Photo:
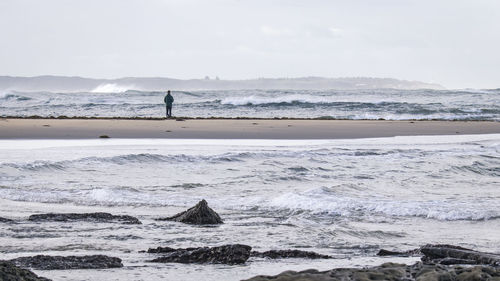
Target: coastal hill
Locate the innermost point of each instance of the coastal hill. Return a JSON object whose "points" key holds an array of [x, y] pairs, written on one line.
{"points": [[80, 84]]}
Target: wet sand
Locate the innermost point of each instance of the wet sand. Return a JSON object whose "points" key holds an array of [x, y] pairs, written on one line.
{"points": [[12, 128]]}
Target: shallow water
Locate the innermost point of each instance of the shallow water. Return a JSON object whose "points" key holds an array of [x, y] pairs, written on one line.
{"points": [[388, 104], [346, 198]]}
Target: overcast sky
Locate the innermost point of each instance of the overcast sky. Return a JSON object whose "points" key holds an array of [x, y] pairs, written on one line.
{"points": [[452, 42]]}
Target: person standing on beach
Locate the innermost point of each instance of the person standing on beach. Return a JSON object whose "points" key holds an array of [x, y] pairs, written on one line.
{"points": [[169, 100]]}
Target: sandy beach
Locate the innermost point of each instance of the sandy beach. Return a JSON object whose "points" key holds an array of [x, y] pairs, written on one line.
{"points": [[234, 128]]}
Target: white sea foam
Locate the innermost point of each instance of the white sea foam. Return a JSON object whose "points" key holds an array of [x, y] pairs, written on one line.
{"points": [[95, 197], [3, 95], [322, 201], [112, 88]]}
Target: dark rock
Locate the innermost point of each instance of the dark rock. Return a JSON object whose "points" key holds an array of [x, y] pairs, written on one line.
{"points": [[94, 217], [409, 253], [43, 262], [391, 271], [5, 220], [450, 253], [11, 272], [162, 250], [199, 214], [227, 254], [279, 254], [446, 246], [451, 261]]}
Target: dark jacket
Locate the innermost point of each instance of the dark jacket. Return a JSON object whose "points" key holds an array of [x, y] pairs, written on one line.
{"points": [[169, 100]]}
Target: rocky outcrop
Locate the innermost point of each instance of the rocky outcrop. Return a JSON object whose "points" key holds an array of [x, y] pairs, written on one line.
{"points": [[5, 220], [43, 262], [409, 253], [199, 214], [93, 217], [280, 254], [227, 254], [449, 254], [11, 272], [391, 271], [272, 254], [163, 250]]}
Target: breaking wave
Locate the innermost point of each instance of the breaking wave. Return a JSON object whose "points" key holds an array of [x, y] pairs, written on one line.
{"points": [[13, 97], [289, 99], [319, 203], [126, 159], [111, 88], [322, 201]]}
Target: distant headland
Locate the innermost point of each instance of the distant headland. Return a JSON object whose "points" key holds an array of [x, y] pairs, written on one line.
{"points": [[80, 84]]}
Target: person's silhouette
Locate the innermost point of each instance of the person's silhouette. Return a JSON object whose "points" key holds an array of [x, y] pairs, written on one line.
{"points": [[169, 100]]}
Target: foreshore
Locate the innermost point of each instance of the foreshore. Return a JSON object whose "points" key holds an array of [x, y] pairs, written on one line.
{"points": [[24, 128]]}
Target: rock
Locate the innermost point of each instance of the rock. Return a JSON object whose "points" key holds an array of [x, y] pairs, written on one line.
{"points": [[94, 217], [451, 261], [10, 272], [162, 250], [391, 271], [43, 262], [279, 254], [449, 254], [5, 220], [409, 253], [199, 214], [388, 271], [227, 254]]}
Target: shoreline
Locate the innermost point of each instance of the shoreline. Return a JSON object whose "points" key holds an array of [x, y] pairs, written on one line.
{"points": [[211, 128], [63, 117]]}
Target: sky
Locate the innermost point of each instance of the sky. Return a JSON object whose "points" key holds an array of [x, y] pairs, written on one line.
{"points": [[455, 43]]}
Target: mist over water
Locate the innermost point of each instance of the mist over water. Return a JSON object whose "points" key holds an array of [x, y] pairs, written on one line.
{"points": [[115, 101]]}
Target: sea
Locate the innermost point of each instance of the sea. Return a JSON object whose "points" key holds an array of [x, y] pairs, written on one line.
{"points": [[389, 104], [347, 198]]}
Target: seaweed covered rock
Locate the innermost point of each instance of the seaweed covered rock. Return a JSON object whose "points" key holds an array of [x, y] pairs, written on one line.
{"points": [[449, 254], [227, 254], [409, 253], [280, 254], [43, 262], [93, 217], [199, 214], [163, 250], [391, 271], [11, 272]]}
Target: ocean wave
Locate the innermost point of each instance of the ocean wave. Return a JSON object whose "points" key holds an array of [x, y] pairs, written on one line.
{"points": [[320, 155], [37, 165], [13, 97], [323, 201], [112, 88], [318, 203], [479, 168], [125, 159], [87, 197], [256, 100], [295, 99]]}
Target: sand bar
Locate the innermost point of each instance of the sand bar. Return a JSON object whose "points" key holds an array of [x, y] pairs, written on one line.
{"points": [[12, 128]]}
